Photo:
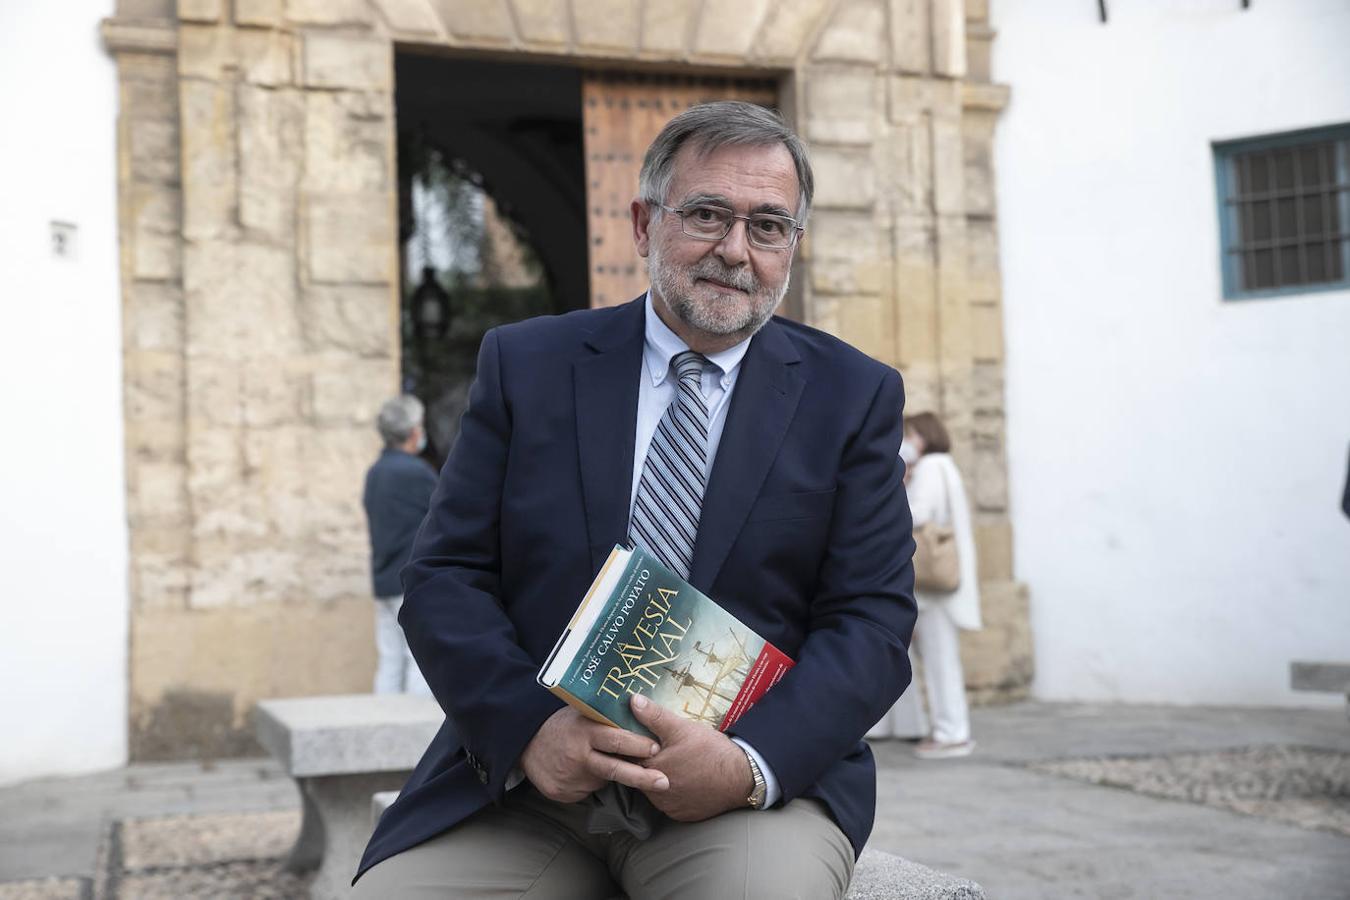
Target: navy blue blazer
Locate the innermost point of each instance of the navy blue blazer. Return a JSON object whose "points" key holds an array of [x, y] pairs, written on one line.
{"points": [[804, 535]]}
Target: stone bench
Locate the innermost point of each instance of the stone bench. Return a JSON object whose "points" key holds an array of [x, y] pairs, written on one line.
{"points": [[878, 876], [340, 750], [884, 876], [1322, 677]]}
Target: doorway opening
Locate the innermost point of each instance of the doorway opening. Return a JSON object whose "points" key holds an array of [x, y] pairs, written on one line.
{"points": [[492, 215], [515, 181]]}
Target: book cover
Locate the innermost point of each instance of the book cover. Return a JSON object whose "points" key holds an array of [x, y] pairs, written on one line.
{"points": [[641, 629]]}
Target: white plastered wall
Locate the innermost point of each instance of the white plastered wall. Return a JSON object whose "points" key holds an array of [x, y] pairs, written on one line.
{"points": [[1176, 460], [63, 533]]}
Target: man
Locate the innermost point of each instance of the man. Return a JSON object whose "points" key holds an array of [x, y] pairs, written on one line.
{"points": [[398, 490], [789, 511]]}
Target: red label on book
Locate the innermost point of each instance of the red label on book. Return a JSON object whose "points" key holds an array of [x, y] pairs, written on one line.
{"points": [[769, 668]]}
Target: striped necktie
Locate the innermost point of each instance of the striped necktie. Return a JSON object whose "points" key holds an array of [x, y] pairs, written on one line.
{"points": [[670, 494], [665, 524]]}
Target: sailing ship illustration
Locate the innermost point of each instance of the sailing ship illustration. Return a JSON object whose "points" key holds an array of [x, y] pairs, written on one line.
{"points": [[716, 681]]}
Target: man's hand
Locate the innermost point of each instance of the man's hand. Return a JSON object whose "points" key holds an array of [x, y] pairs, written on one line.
{"points": [[709, 774], [570, 756]]}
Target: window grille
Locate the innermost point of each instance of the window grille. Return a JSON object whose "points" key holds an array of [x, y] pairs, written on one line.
{"points": [[1285, 213]]}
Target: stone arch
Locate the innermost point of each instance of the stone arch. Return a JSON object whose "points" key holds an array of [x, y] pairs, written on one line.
{"points": [[538, 179]]}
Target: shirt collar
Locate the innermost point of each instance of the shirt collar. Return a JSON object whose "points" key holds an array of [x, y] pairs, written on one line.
{"points": [[660, 345]]}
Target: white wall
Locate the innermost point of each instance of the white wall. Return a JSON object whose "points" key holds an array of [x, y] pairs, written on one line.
{"points": [[63, 534], [1176, 460]]}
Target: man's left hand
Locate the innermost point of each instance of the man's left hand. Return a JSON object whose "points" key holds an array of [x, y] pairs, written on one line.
{"points": [[709, 774]]}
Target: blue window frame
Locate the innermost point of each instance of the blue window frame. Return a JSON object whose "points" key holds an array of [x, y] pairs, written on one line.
{"points": [[1284, 213]]}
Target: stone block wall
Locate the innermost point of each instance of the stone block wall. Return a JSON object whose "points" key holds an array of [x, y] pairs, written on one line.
{"points": [[259, 245], [260, 272], [895, 101]]}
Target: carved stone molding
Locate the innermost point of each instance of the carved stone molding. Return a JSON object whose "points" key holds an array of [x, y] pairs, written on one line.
{"points": [[140, 35]]}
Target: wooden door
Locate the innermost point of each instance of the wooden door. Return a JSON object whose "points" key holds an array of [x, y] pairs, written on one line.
{"points": [[621, 115]]}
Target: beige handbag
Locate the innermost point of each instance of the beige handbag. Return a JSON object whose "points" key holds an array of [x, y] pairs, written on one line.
{"points": [[937, 568], [936, 565]]}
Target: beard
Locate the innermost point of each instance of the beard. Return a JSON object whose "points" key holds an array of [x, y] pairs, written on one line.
{"points": [[725, 313]]}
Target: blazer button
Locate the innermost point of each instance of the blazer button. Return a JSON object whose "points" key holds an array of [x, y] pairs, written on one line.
{"points": [[483, 774]]}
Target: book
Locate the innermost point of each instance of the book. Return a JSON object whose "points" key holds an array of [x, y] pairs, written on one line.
{"points": [[641, 629]]}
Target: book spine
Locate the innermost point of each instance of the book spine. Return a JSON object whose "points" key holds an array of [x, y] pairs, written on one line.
{"points": [[581, 706], [769, 668]]}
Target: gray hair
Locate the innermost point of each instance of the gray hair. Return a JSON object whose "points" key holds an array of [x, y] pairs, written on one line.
{"points": [[398, 418], [708, 126]]}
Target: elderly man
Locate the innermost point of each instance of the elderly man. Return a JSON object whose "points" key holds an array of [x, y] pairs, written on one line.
{"points": [[398, 490], [754, 456]]}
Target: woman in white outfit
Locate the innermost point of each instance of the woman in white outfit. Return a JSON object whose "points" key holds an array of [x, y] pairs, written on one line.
{"points": [[937, 494]]}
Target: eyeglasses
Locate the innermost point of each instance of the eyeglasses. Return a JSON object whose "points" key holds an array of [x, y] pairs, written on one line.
{"points": [[712, 223]]}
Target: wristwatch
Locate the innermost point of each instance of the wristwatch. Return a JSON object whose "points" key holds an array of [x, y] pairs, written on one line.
{"points": [[760, 792]]}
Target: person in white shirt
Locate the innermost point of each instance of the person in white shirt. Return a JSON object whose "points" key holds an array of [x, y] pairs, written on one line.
{"points": [[937, 495]]}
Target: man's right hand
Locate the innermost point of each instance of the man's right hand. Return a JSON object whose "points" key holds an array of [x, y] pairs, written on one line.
{"points": [[570, 756]]}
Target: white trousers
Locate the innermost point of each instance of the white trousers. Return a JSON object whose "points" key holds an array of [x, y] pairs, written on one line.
{"points": [[937, 644], [396, 671]]}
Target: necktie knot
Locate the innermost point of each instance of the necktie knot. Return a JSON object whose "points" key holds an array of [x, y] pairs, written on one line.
{"points": [[689, 367]]}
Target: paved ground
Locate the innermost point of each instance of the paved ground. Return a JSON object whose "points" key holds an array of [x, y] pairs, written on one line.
{"points": [[1021, 833]]}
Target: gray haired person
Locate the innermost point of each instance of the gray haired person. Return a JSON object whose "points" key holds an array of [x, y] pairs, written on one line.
{"points": [[397, 494], [753, 455]]}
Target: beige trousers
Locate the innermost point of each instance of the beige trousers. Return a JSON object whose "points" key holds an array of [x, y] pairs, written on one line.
{"points": [[531, 847]]}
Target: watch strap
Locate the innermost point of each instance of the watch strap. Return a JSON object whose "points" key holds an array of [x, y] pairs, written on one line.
{"points": [[760, 790]]}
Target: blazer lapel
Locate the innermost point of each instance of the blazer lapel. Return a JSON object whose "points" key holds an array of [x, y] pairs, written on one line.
{"points": [[765, 400], [606, 385]]}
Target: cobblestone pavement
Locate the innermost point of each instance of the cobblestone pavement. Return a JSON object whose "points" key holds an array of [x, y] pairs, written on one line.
{"points": [[62, 837], [1304, 786], [1024, 833], [1038, 811]]}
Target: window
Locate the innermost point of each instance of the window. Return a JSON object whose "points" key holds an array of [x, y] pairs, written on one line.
{"points": [[1284, 213]]}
